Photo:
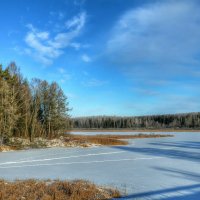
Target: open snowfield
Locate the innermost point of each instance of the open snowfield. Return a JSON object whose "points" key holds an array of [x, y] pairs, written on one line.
{"points": [[154, 168]]}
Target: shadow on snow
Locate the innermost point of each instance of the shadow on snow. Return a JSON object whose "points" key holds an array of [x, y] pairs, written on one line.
{"points": [[168, 153], [184, 144], [191, 192], [188, 192]]}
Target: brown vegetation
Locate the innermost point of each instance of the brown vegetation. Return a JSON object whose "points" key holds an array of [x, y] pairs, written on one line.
{"points": [[132, 130], [54, 190], [109, 139], [85, 140], [5, 148]]}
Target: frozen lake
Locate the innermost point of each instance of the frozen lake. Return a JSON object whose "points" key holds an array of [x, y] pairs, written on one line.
{"points": [[154, 168]]}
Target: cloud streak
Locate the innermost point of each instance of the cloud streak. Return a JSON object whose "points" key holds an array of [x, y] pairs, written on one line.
{"points": [[94, 83], [45, 48], [157, 46], [164, 34], [172, 104], [86, 58]]}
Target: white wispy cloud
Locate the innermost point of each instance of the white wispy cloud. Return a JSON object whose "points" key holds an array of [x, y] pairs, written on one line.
{"points": [[157, 46], [45, 48], [79, 2], [146, 92], [63, 75], [172, 104], [76, 45], [72, 95], [86, 58], [61, 70], [162, 32], [77, 22], [94, 83], [59, 15]]}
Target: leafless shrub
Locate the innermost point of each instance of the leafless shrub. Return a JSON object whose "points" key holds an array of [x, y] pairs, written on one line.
{"points": [[54, 190]]}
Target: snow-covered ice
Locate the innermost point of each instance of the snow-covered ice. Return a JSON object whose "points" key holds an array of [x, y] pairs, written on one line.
{"points": [[153, 168]]}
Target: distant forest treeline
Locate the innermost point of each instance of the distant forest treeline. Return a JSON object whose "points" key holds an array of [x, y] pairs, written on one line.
{"points": [[29, 110], [187, 121]]}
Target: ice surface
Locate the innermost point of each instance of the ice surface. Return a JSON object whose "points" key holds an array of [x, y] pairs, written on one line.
{"points": [[153, 168]]}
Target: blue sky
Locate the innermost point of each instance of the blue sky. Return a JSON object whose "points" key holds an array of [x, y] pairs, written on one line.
{"points": [[111, 57]]}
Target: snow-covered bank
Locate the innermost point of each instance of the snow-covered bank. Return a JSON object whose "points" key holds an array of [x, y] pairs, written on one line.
{"points": [[74, 140]]}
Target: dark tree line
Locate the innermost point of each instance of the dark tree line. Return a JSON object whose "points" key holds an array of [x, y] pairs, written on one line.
{"points": [[189, 120], [29, 110]]}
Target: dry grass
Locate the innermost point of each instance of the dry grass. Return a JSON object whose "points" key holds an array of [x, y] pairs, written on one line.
{"points": [[108, 139], [136, 136], [133, 130], [5, 148], [83, 140], [54, 190]]}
